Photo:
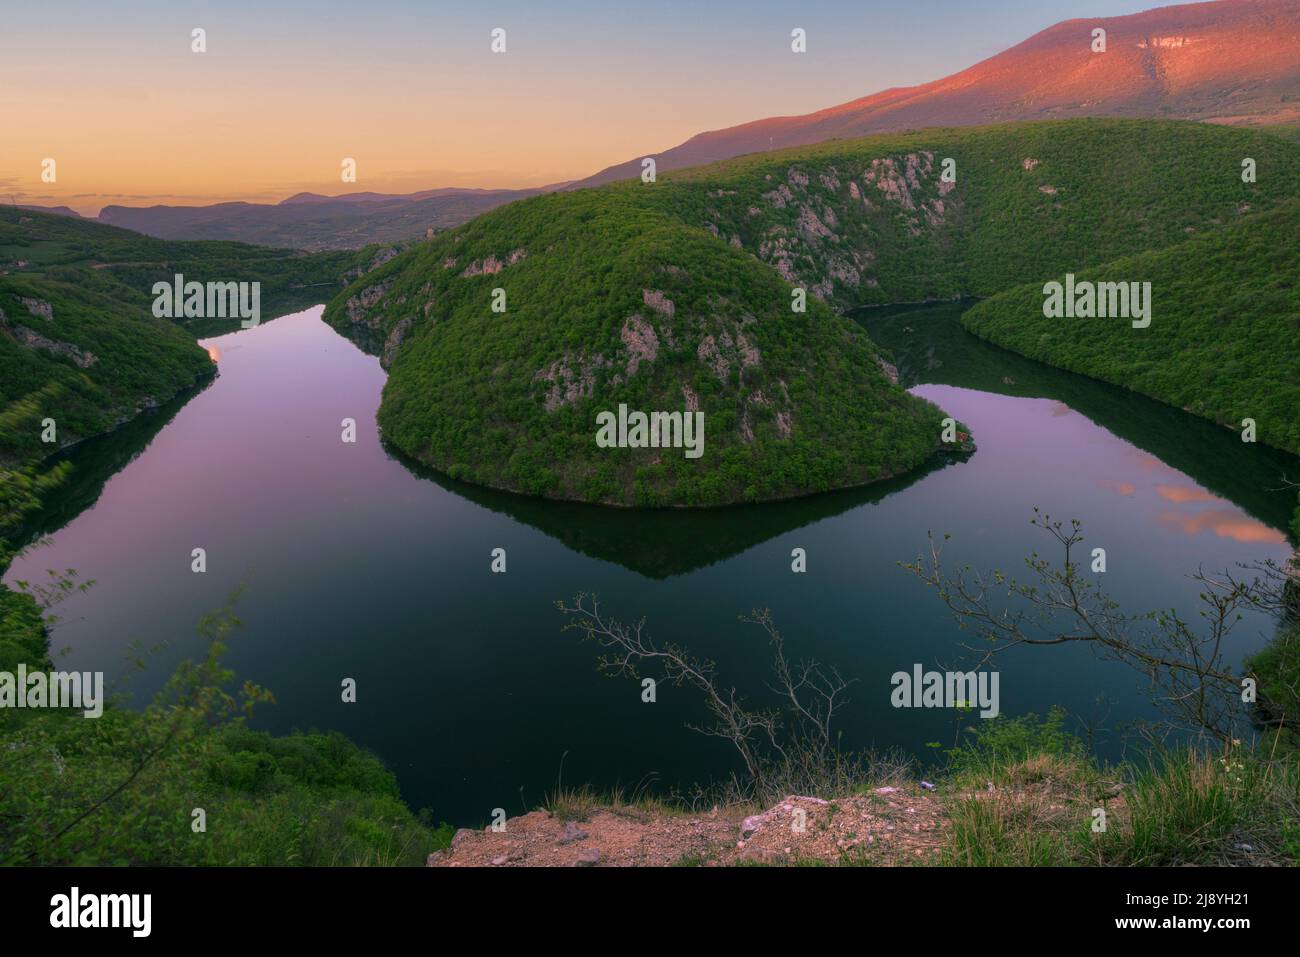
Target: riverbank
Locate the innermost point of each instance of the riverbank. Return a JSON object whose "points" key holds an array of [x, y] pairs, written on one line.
{"points": [[1045, 806]]}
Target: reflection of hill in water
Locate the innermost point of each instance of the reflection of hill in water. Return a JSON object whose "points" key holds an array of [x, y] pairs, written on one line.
{"points": [[660, 543], [95, 461], [938, 351]]}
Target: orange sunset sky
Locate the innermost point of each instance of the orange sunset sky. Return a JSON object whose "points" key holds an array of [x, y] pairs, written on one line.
{"points": [[113, 93]]}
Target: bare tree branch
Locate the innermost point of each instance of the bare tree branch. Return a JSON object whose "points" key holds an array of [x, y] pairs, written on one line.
{"points": [[1059, 605]]}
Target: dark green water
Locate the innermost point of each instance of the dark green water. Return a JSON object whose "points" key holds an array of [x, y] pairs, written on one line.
{"points": [[362, 567]]}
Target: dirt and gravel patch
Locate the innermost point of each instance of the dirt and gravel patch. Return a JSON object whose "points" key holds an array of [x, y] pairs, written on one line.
{"points": [[884, 826]]}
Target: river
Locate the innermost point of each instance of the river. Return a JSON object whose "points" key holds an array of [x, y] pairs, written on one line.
{"points": [[361, 566]]}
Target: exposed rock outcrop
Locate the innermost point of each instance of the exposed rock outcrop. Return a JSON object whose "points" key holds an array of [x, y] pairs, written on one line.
{"points": [[641, 342], [34, 340], [39, 308], [572, 377], [490, 265], [394, 341], [359, 305]]}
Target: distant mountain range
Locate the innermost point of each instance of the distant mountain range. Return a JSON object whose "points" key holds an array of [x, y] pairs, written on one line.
{"points": [[56, 210], [1230, 61], [315, 222]]}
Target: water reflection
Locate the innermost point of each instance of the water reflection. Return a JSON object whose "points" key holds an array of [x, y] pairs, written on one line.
{"points": [[930, 346], [662, 543], [1225, 523]]}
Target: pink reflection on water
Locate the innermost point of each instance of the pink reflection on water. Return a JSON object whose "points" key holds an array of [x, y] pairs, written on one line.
{"points": [[1149, 463], [1225, 523], [1120, 488], [1187, 493], [1088, 466]]}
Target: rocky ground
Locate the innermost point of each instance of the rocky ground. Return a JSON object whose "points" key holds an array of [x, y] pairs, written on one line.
{"points": [[884, 826]]}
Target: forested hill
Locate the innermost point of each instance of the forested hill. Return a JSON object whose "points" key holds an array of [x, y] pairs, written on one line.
{"points": [[677, 293], [1224, 338]]}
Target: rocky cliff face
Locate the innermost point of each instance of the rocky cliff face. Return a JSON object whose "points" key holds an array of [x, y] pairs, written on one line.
{"points": [[32, 339], [819, 224]]}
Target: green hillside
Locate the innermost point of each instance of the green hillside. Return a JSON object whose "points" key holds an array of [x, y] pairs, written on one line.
{"points": [[97, 362], [1224, 339], [78, 340], [676, 291], [611, 302], [1030, 200]]}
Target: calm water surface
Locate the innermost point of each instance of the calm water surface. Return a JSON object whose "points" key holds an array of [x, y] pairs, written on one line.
{"points": [[360, 566]]}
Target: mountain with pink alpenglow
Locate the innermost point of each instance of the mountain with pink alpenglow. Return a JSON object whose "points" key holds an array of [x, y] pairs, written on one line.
{"points": [[1231, 61]]}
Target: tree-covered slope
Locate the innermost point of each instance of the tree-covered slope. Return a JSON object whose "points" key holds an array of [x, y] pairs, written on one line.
{"points": [[1224, 338], [79, 343], [613, 301], [314, 800], [679, 291], [84, 359], [871, 221]]}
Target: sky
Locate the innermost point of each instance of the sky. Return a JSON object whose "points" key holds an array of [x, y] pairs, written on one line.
{"points": [[114, 94]]}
